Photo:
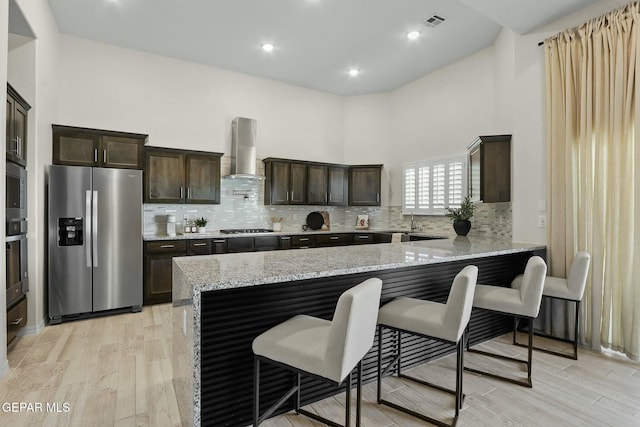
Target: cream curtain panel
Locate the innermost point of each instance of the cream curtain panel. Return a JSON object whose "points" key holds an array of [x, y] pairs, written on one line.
{"points": [[593, 155]]}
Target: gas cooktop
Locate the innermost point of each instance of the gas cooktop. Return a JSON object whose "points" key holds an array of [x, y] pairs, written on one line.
{"points": [[245, 230]]}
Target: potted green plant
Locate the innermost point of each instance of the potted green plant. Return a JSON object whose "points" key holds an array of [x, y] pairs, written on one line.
{"points": [[461, 216], [201, 223]]}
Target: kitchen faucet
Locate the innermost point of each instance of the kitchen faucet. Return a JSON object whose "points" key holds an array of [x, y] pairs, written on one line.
{"points": [[413, 224]]}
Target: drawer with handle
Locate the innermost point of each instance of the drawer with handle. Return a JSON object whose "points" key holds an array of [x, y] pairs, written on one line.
{"points": [[360, 238], [16, 319], [200, 247], [333, 239], [166, 246], [298, 242]]}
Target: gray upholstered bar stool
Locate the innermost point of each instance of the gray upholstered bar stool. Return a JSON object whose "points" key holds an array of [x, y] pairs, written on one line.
{"points": [[523, 302], [328, 350], [569, 289], [443, 322]]}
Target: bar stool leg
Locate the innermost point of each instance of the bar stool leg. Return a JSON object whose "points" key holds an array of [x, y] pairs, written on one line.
{"points": [[348, 401], [256, 390], [575, 336], [399, 353], [359, 395], [379, 385]]}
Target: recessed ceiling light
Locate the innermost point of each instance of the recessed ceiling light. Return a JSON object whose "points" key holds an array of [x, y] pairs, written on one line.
{"points": [[354, 72], [267, 47], [412, 35]]}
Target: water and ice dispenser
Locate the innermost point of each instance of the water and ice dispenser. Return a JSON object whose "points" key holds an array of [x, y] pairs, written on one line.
{"points": [[70, 231]]}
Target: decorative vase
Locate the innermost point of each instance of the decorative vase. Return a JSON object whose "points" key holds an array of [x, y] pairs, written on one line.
{"points": [[277, 226], [202, 230], [462, 227]]}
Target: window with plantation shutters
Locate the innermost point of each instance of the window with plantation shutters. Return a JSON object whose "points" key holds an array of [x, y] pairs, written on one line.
{"points": [[430, 186]]}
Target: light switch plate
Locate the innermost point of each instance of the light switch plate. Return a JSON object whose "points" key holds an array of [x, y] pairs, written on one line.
{"points": [[542, 221], [542, 205]]}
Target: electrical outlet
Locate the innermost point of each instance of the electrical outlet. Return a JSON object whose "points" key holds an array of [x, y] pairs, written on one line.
{"points": [[542, 221]]}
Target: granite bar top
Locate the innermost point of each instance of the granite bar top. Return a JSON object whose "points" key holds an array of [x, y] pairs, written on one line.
{"points": [[228, 271]]}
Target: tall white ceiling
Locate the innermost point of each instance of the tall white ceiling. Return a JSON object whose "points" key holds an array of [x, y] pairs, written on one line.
{"points": [[316, 41]]}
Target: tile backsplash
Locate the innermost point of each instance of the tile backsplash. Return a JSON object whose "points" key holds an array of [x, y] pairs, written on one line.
{"points": [[242, 206]]}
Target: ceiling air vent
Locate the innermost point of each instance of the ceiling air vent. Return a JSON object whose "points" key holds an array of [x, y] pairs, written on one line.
{"points": [[433, 21]]}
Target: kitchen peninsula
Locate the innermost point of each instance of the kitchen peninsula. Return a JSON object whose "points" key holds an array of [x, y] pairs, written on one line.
{"points": [[222, 302]]}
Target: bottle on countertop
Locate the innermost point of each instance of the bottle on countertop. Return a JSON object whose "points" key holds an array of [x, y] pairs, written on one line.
{"points": [[186, 225]]}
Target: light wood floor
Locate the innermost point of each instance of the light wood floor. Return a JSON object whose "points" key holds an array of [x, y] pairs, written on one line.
{"points": [[116, 371]]}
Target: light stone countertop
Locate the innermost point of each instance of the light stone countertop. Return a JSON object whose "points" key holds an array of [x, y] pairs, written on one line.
{"points": [[228, 271], [216, 234]]}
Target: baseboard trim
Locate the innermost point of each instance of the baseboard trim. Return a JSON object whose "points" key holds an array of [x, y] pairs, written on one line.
{"points": [[32, 330], [5, 368]]}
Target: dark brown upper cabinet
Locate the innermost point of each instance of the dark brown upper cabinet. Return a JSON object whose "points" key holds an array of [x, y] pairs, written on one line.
{"points": [[16, 128], [286, 182], [490, 169], [365, 183], [338, 185], [327, 185], [181, 176], [74, 146], [317, 193]]}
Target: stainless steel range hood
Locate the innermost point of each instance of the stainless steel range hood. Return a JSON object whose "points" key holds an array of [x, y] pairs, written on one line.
{"points": [[243, 149]]}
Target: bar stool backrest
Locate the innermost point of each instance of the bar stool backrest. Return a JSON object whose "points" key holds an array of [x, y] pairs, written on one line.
{"points": [[353, 327], [577, 279], [460, 302], [532, 286]]}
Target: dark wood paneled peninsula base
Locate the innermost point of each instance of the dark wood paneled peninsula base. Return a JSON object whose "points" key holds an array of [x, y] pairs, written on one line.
{"points": [[213, 377]]}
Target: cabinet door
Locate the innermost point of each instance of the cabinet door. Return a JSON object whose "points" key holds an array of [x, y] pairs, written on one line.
{"points": [[20, 133], [337, 186], [298, 184], [279, 183], [121, 152], [203, 179], [75, 148], [164, 177], [317, 186], [364, 185], [157, 278], [11, 143]]}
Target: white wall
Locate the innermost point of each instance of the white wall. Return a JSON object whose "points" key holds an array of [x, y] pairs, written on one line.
{"points": [[32, 72], [4, 23], [367, 135], [439, 115], [186, 105]]}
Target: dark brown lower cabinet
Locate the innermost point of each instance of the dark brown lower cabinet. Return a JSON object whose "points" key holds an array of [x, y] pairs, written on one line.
{"points": [[158, 267], [16, 319]]}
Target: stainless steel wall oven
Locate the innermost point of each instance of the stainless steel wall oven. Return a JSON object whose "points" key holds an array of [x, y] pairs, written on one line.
{"points": [[16, 200]]}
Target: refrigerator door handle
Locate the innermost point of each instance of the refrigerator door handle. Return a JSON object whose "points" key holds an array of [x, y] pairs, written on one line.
{"points": [[94, 229], [88, 230]]}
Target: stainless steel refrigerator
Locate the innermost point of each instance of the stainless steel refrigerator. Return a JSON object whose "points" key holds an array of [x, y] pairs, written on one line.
{"points": [[95, 240]]}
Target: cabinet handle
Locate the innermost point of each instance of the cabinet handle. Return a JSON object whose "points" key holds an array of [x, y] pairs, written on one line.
{"points": [[199, 244], [219, 241], [363, 237], [167, 246], [326, 197], [188, 192], [304, 239], [378, 197], [335, 237], [329, 197], [287, 195], [181, 191], [17, 321], [95, 155], [285, 238], [104, 156]]}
